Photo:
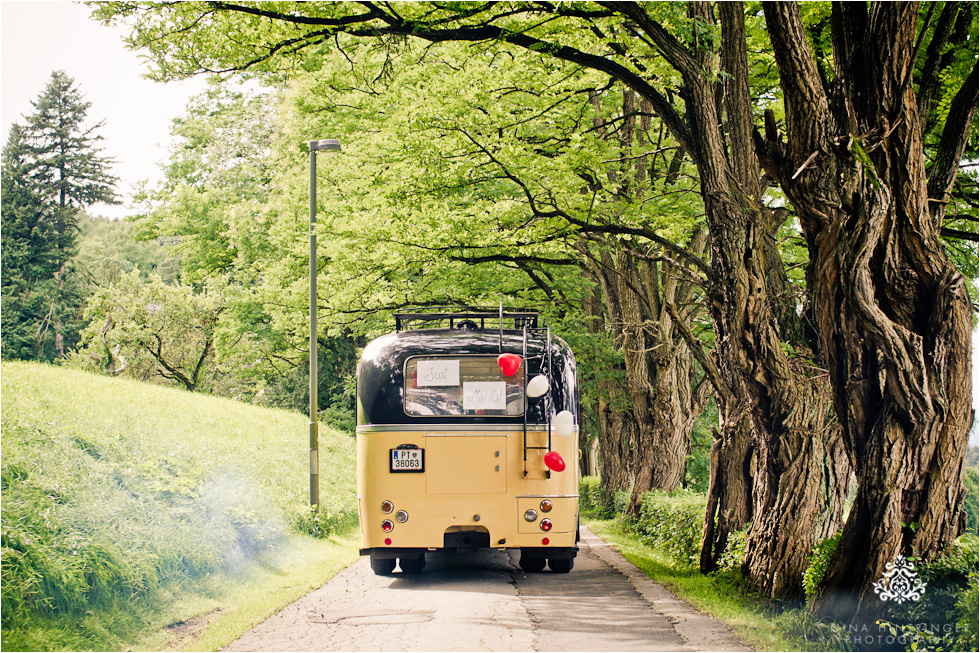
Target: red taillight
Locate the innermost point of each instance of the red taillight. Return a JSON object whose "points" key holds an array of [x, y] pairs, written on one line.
{"points": [[546, 524], [387, 526]]}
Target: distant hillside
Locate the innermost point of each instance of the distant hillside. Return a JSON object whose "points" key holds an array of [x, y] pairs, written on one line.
{"points": [[113, 488]]}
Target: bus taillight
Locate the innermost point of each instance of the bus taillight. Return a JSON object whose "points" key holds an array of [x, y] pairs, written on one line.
{"points": [[387, 526], [546, 524]]}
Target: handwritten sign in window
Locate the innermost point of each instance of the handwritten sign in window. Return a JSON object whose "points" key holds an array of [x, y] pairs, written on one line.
{"points": [[484, 395], [438, 373]]}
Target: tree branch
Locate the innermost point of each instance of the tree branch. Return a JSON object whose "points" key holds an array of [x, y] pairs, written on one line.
{"points": [[956, 134]]}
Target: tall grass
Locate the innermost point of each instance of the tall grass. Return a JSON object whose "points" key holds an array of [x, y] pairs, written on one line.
{"points": [[113, 489]]}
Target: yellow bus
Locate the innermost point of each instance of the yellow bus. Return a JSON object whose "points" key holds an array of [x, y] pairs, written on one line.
{"points": [[467, 438]]}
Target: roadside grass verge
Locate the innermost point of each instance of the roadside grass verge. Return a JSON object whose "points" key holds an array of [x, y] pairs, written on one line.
{"points": [[128, 508], [664, 540], [274, 580], [751, 619]]}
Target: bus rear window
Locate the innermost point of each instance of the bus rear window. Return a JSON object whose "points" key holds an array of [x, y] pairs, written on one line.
{"points": [[464, 385]]}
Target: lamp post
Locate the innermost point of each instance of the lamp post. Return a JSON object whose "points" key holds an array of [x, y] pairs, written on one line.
{"points": [[315, 146]]}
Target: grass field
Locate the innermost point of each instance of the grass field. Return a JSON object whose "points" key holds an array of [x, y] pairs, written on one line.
{"points": [[128, 508]]}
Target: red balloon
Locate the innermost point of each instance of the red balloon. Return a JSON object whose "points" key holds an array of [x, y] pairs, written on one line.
{"points": [[554, 461], [509, 363]]}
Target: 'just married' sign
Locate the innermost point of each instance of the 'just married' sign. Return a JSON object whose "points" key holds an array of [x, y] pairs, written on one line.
{"points": [[438, 373]]}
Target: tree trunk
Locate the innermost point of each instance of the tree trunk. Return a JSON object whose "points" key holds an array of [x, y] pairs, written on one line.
{"points": [[662, 445], [802, 480], [614, 421], [789, 423], [893, 314], [729, 505], [617, 437]]}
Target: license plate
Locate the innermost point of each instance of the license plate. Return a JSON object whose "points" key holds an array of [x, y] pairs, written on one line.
{"points": [[407, 460]]}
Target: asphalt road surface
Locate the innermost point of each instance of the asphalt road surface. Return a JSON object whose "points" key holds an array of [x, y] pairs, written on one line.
{"points": [[483, 602]]}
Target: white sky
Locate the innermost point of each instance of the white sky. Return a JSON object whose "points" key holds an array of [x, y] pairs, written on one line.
{"points": [[38, 37]]}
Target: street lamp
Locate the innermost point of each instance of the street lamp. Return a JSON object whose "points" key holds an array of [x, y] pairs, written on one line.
{"points": [[315, 146]]}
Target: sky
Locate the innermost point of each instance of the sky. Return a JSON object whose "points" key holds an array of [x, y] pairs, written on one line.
{"points": [[37, 38]]}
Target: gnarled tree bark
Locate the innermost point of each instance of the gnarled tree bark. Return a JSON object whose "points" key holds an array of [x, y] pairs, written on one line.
{"points": [[893, 314]]}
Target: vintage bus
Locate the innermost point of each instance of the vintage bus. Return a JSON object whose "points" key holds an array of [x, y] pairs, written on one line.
{"points": [[467, 438]]}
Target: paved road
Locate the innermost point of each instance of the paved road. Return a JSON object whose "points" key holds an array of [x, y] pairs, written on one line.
{"points": [[483, 602]]}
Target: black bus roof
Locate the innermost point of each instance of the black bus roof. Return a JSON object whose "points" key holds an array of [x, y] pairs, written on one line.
{"points": [[381, 370]]}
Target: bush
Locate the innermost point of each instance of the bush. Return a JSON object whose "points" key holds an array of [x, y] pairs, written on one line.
{"points": [[968, 610], [672, 522], [971, 504], [590, 496], [817, 569], [731, 558], [621, 499], [946, 617]]}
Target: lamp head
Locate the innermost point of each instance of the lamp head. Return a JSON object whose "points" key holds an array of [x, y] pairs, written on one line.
{"points": [[325, 144]]}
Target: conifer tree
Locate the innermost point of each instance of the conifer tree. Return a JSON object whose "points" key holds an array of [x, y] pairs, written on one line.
{"points": [[52, 168]]}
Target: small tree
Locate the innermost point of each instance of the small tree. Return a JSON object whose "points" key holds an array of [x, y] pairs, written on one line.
{"points": [[146, 329]]}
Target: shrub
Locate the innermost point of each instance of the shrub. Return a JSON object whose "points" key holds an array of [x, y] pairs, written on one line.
{"points": [[817, 569], [621, 499], [946, 617], [672, 522], [590, 496], [971, 503], [731, 558], [968, 610]]}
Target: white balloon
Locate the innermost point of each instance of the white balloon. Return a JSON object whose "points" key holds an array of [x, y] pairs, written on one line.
{"points": [[564, 423], [537, 386]]}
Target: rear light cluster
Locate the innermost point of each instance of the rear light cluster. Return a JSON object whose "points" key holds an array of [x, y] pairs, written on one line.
{"points": [[387, 507], [531, 515]]}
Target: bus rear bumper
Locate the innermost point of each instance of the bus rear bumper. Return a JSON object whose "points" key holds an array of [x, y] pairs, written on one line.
{"points": [[550, 553], [388, 552]]}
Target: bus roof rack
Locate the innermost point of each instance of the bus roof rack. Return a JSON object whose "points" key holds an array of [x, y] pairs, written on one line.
{"points": [[454, 317]]}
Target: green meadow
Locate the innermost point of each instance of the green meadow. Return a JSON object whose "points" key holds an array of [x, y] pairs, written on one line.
{"points": [[136, 516]]}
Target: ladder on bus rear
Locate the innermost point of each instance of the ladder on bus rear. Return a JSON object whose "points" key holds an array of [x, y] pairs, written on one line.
{"points": [[546, 397]]}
